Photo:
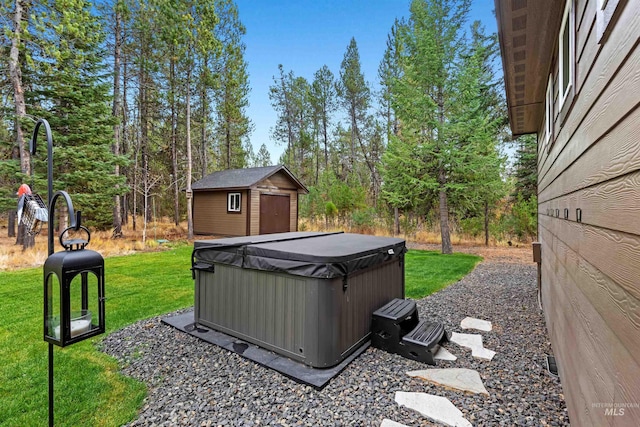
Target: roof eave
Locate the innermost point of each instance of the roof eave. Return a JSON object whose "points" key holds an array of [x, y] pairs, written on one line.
{"points": [[527, 31]]}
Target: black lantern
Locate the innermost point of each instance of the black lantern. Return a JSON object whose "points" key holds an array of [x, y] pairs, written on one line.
{"points": [[73, 288]]}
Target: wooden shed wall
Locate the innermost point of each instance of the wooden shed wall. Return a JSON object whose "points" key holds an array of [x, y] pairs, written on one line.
{"points": [[591, 269], [254, 226], [255, 208], [278, 180], [210, 214]]}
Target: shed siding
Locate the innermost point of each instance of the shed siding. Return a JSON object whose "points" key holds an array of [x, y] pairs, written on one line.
{"points": [[210, 214], [210, 207], [590, 269], [278, 183], [293, 210], [278, 180], [255, 210]]}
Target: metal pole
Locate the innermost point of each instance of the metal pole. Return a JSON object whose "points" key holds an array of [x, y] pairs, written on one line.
{"points": [[32, 148], [50, 385], [50, 248], [75, 223]]}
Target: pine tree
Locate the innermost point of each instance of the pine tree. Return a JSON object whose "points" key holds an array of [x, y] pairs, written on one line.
{"points": [[168, 45], [119, 9], [423, 97], [389, 71], [73, 95], [280, 95], [291, 97], [148, 20], [9, 169], [355, 96], [478, 121], [15, 73], [16, 56], [526, 167], [407, 183], [232, 90], [324, 102], [263, 158], [302, 112], [190, 28]]}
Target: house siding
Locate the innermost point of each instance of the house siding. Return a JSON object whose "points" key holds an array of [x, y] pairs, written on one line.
{"points": [[211, 216], [591, 269]]}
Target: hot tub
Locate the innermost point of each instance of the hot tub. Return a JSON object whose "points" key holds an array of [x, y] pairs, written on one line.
{"points": [[307, 296]]}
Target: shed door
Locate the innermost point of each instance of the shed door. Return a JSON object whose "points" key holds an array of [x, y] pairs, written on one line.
{"points": [[274, 213]]}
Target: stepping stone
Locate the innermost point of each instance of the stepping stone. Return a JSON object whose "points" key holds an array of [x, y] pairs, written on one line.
{"points": [[471, 323], [474, 342], [483, 353], [389, 423], [436, 408], [467, 340], [456, 378], [444, 354]]}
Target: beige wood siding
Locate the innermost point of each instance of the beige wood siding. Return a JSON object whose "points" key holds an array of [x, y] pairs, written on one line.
{"points": [[255, 213], [293, 210], [210, 214], [591, 269], [278, 180]]}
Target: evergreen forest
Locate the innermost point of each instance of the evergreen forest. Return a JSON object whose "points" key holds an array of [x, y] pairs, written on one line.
{"points": [[146, 97]]}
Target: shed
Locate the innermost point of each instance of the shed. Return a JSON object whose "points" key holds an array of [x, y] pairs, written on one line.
{"points": [[247, 202], [572, 72]]}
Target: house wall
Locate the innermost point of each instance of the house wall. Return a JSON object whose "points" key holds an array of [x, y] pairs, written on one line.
{"points": [[210, 214], [591, 269]]}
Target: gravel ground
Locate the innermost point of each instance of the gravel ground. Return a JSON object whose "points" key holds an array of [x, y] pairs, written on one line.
{"points": [[198, 384]]}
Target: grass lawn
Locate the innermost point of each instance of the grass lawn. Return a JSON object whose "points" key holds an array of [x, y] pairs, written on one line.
{"points": [[427, 272], [89, 391]]}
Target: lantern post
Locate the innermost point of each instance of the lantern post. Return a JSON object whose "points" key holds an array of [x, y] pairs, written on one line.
{"points": [[64, 322]]}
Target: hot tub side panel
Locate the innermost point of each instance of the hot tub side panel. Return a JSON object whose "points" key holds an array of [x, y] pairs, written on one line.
{"points": [[353, 306], [259, 307], [316, 321]]}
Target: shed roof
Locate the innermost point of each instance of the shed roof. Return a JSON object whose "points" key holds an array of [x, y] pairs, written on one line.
{"points": [[238, 179]]}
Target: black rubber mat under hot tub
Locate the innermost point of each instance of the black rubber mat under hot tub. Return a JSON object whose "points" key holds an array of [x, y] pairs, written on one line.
{"points": [[297, 371]]}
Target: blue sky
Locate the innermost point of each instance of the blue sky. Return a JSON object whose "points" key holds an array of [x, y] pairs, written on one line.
{"points": [[304, 35]]}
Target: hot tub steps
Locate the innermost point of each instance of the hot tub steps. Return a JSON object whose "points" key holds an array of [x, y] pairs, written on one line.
{"points": [[396, 328]]}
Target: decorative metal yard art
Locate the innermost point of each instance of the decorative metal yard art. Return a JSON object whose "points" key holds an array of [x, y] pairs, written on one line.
{"points": [[73, 278], [32, 211]]}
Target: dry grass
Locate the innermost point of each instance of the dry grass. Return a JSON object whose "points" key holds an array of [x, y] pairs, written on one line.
{"points": [[497, 251], [12, 257], [419, 236]]}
